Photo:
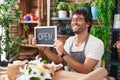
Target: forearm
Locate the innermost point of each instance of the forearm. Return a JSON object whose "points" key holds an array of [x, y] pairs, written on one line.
{"points": [[77, 66], [52, 56]]}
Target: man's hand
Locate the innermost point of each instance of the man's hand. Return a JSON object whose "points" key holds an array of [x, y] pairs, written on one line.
{"points": [[40, 47], [58, 45]]}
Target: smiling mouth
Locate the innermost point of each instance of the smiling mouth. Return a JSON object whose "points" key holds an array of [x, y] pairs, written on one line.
{"points": [[75, 26]]}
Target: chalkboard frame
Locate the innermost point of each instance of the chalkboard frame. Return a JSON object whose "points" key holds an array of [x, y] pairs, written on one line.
{"points": [[45, 27]]}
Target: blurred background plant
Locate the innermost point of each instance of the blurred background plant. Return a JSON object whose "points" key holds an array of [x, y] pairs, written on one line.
{"points": [[9, 15], [102, 30], [65, 30]]}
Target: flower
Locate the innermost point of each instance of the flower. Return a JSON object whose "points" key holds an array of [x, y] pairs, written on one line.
{"points": [[34, 70]]}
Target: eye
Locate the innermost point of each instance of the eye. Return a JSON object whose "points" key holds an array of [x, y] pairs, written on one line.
{"points": [[77, 19]]}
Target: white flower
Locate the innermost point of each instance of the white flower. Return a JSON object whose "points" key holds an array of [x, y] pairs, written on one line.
{"points": [[24, 74], [34, 69]]}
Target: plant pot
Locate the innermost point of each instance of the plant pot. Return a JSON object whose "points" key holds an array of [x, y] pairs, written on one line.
{"points": [[94, 11], [62, 14], [88, 9], [3, 63], [54, 14]]}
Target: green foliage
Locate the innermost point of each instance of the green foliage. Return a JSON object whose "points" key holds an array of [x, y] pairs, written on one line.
{"points": [[62, 6], [45, 61], [54, 9], [13, 46], [34, 78], [94, 3], [83, 3], [25, 26], [104, 19], [9, 14], [72, 6], [65, 30]]}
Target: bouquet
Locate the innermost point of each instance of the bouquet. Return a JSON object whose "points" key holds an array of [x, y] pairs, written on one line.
{"points": [[35, 70]]}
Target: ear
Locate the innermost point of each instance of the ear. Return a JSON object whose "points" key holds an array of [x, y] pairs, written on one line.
{"points": [[88, 24]]}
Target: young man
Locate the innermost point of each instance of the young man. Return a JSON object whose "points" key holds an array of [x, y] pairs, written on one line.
{"points": [[82, 52]]}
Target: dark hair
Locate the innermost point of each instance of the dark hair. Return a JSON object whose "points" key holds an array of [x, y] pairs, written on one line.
{"points": [[87, 16]]}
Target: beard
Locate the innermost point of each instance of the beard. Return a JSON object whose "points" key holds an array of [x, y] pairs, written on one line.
{"points": [[78, 28]]}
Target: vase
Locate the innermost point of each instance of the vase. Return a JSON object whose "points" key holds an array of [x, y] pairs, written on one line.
{"points": [[62, 14], [3, 63], [94, 11]]}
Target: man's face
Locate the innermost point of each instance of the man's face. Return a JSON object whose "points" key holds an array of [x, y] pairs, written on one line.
{"points": [[78, 24]]}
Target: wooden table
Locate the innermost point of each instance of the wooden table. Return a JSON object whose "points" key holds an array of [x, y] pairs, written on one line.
{"points": [[66, 75], [98, 74]]}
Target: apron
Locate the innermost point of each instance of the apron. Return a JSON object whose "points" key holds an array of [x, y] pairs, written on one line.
{"points": [[78, 55]]}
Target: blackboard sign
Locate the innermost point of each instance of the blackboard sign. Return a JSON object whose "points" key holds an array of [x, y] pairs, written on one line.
{"points": [[45, 35]]}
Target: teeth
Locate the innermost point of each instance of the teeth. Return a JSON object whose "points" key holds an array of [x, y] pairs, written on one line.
{"points": [[74, 26]]}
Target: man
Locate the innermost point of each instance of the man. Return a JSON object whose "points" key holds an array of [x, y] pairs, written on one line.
{"points": [[82, 52]]}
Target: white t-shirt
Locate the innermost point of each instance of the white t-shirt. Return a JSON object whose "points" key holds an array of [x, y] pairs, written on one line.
{"points": [[94, 48]]}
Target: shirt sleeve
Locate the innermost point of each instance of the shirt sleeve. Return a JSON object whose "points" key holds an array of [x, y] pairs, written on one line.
{"points": [[96, 50]]}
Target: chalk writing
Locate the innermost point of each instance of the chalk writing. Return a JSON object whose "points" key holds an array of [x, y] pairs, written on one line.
{"points": [[45, 36]]}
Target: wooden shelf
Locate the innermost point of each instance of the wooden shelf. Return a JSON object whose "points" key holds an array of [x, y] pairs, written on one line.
{"points": [[28, 45], [59, 19], [69, 19], [29, 22]]}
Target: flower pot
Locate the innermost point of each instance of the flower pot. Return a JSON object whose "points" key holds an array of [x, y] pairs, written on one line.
{"points": [[3, 63], [94, 11], [88, 9], [54, 14], [62, 14]]}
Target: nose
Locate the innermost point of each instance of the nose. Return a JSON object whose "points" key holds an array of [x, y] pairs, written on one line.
{"points": [[74, 21]]}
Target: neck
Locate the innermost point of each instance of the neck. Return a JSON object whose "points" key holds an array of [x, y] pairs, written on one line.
{"points": [[80, 38]]}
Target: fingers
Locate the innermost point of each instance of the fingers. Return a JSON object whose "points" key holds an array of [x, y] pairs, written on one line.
{"points": [[117, 44], [57, 43]]}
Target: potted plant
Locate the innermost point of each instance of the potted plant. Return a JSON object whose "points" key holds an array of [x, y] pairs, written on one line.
{"points": [[71, 8], [62, 8], [54, 11], [7, 18], [94, 8]]}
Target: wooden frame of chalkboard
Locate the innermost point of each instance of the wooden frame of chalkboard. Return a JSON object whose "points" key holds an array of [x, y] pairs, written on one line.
{"points": [[45, 35]]}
